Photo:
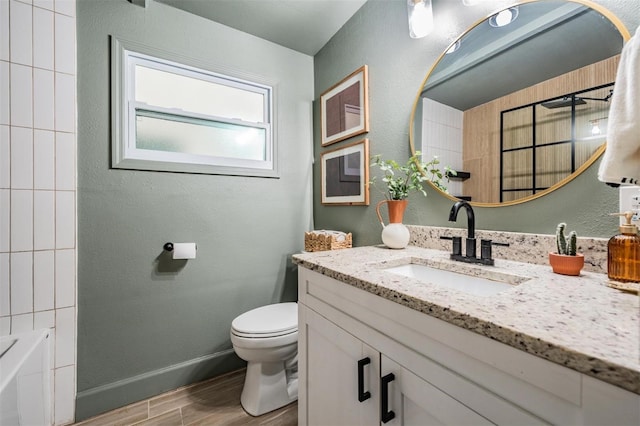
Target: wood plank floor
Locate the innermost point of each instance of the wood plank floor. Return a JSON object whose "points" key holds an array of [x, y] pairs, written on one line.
{"points": [[213, 402]]}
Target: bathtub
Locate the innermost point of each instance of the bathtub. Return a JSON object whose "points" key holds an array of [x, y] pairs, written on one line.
{"points": [[24, 379]]}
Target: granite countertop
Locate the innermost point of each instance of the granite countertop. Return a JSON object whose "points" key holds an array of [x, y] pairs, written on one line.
{"points": [[578, 322]]}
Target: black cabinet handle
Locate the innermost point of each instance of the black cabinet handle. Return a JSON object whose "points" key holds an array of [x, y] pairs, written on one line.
{"points": [[385, 413], [362, 395]]}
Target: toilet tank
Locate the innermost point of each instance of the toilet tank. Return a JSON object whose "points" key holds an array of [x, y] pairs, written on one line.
{"points": [[24, 379]]}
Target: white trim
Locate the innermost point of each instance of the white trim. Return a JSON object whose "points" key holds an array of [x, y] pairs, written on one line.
{"points": [[125, 155]]}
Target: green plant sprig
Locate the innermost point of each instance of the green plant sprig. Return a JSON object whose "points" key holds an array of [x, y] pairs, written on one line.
{"points": [[400, 179]]}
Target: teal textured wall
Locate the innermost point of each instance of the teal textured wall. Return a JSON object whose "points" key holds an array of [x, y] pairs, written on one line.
{"points": [[378, 36], [147, 324]]}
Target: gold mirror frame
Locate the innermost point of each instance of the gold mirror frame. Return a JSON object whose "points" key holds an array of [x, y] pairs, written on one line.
{"points": [[624, 32]]}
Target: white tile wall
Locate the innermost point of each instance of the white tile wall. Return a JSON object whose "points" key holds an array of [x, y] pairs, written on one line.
{"points": [[43, 159], [21, 220], [21, 158], [65, 161], [47, 319], [5, 292], [65, 103], [44, 319], [5, 171], [65, 384], [21, 278], [43, 106], [38, 182], [21, 97], [45, 4], [4, 30], [442, 136], [43, 281], [65, 337], [5, 106], [65, 219], [66, 7], [65, 278], [20, 32], [5, 228], [43, 38], [65, 34], [5, 326], [21, 323], [44, 232]]}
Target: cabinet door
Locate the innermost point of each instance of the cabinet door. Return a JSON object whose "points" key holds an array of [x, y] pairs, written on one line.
{"points": [[414, 401], [334, 360], [605, 404]]}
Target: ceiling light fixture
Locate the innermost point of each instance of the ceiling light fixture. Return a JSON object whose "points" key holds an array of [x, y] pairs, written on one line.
{"points": [[595, 126], [420, 17], [504, 17]]}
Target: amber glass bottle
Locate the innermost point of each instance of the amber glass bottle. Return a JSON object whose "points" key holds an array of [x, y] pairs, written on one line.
{"points": [[623, 262]]}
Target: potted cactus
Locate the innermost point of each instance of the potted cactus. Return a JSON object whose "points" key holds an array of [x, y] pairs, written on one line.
{"points": [[565, 260]]}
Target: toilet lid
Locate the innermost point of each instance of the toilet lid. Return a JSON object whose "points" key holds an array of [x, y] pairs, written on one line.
{"points": [[278, 318]]}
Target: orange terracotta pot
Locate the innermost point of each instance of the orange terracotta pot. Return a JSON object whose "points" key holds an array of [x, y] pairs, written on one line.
{"points": [[566, 265], [395, 209]]}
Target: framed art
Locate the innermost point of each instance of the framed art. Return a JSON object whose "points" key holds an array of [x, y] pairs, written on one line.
{"points": [[344, 108], [345, 175]]}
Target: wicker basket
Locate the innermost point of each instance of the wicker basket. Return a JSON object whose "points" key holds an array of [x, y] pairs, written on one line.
{"points": [[321, 242]]}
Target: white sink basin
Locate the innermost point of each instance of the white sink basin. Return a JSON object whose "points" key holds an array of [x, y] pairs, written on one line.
{"points": [[466, 278]]}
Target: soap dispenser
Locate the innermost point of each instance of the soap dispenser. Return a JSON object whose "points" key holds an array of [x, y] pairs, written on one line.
{"points": [[623, 260]]}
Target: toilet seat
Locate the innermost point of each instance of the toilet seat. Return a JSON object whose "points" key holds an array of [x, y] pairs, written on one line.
{"points": [[269, 321], [263, 335], [244, 342]]}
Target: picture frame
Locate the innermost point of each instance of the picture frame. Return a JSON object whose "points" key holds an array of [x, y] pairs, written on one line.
{"points": [[344, 108], [345, 175]]}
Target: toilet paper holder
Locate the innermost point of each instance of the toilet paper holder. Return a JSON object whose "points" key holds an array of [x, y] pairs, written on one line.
{"points": [[181, 251]]}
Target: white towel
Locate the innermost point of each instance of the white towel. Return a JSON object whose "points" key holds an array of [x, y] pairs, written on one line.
{"points": [[621, 161]]}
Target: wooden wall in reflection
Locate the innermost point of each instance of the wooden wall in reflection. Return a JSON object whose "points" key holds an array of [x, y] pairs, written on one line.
{"points": [[481, 130]]}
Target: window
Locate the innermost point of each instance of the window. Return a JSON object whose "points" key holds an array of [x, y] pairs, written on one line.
{"points": [[546, 142], [170, 116]]}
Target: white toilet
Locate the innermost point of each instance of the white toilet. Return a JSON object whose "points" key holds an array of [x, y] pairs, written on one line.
{"points": [[267, 338]]}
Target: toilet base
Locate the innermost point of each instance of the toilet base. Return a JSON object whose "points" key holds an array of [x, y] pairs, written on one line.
{"points": [[266, 388]]}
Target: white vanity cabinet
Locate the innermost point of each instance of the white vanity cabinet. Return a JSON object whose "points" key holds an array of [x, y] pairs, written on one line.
{"points": [[334, 363], [350, 383], [412, 400], [427, 371]]}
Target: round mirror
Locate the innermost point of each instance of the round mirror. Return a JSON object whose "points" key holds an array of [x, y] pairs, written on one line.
{"points": [[518, 104]]}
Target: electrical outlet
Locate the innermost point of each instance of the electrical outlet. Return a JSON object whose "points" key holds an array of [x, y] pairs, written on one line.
{"points": [[630, 201]]}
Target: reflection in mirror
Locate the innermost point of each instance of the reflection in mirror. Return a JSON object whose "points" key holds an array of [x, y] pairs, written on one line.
{"points": [[519, 109]]}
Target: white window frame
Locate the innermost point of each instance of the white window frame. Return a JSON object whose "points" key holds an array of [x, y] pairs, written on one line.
{"points": [[125, 155]]}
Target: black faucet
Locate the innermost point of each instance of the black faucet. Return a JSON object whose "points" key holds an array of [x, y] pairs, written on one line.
{"points": [[470, 254], [471, 218], [471, 225]]}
